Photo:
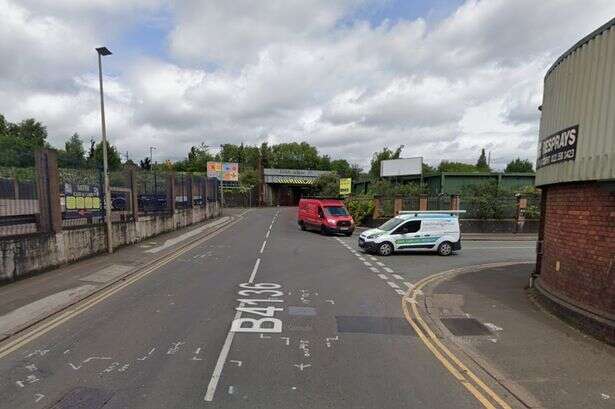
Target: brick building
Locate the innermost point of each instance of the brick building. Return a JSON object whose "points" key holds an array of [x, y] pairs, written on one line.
{"points": [[576, 171]]}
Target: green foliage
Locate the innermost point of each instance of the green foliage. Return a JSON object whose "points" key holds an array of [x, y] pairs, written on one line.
{"points": [[384, 154], [195, 162], [482, 164], [488, 201], [294, 156], [248, 177], [428, 169], [447, 166], [73, 154], [113, 157], [327, 185], [520, 166], [360, 207], [387, 188], [145, 164], [18, 142]]}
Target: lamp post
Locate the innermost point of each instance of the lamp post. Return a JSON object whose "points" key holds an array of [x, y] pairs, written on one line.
{"points": [[151, 155], [104, 51]]}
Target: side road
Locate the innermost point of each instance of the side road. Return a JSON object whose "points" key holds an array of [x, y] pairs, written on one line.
{"points": [[490, 318], [27, 301]]}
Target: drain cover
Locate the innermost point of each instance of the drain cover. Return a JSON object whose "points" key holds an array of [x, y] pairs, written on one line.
{"points": [[373, 325], [301, 310], [465, 326], [83, 398]]}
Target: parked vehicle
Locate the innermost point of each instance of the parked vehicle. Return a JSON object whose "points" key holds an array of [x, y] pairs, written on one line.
{"points": [[329, 216], [415, 231]]}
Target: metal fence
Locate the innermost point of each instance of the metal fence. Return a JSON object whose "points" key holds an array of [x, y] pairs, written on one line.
{"points": [[19, 206], [240, 197], [152, 192], [81, 196], [411, 203], [488, 208], [439, 202]]}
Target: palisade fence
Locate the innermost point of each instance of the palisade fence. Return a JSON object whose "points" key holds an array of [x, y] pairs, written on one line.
{"points": [[240, 197], [81, 196], [19, 207]]}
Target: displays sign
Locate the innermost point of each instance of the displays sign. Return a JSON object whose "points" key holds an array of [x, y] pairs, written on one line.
{"points": [[80, 197], [559, 147], [225, 171], [345, 186], [401, 167]]}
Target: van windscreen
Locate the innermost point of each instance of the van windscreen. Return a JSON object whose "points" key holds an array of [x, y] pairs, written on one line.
{"points": [[336, 211]]}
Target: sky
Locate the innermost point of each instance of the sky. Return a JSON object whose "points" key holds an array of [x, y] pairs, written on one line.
{"points": [[444, 78]]}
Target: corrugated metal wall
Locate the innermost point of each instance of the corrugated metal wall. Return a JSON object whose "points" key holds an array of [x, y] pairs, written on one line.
{"points": [[580, 89]]}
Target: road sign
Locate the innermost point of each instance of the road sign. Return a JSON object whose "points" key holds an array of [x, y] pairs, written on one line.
{"points": [[345, 186]]}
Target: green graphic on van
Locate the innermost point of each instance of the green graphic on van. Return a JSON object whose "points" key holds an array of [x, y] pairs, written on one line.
{"points": [[417, 240]]}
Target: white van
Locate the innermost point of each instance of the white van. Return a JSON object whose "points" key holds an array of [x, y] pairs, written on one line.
{"points": [[436, 231]]}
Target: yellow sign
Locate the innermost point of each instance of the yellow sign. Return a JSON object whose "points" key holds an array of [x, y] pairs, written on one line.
{"points": [[345, 186]]}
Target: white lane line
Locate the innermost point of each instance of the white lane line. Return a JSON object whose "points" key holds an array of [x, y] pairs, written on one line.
{"points": [[268, 233], [392, 284], [360, 258], [263, 246], [215, 376], [383, 276], [388, 270], [400, 292], [409, 285], [367, 263], [380, 263], [374, 269], [373, 259], [397, 276], [254, 270]]}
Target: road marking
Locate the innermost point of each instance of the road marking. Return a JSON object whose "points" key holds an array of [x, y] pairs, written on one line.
{"points": [[374, 259], [400, 291], [398, 277], [360, 258], [254, 270], [409, 285], [106, 292], [367, 263], [374, 269], [388, 270], [392, 284], [383, 276], [433, 343], [267, 235], [263, 246], [380, 263]]}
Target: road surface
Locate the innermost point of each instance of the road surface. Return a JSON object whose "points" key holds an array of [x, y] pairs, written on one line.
{"points": [[332, 332]]}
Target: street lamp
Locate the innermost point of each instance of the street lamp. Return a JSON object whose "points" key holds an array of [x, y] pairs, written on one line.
{"points": [[104, 51], [151, 156]]}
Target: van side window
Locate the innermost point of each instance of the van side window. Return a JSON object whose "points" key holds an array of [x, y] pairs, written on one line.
{"points": [[409, 227]]}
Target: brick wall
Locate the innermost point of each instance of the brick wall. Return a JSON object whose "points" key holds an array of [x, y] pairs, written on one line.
{"points": [[580, 235]]}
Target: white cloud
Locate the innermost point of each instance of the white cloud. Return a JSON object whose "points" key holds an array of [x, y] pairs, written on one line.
{"points": [[294, 70]]}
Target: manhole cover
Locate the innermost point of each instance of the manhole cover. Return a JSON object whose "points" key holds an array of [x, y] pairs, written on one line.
{"points": [[301, 310], [83, 398], [465, 326], [373, 325]]}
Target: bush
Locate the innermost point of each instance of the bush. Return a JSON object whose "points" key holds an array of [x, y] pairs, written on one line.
{"points": [[488, 201], [360, 207]]}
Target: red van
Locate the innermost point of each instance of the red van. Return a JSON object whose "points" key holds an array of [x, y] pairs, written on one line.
{"points": [[325, 215]]}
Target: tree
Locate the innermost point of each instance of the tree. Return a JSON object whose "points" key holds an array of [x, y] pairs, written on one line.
{"points": [[114, 161], [482, 164], [73, 154], [19, 141], [294, 156], [428, 169], [145, 164], [447, 166], [342, 168], [384, 154], [519, 165], [248, 177], [327, 185]]}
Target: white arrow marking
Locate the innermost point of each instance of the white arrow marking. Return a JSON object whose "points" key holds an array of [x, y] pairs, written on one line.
{"points": [[38, 397]]}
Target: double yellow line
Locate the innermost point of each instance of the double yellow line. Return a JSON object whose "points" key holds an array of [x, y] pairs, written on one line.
{"points": [[81, 306], [485, 395]]}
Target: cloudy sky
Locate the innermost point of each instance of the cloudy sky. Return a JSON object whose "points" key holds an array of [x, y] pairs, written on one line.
{"points": [[442, 77]]}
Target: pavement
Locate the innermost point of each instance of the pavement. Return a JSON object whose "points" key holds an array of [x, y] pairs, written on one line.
{"points": [[255, 315], [536, 356]]}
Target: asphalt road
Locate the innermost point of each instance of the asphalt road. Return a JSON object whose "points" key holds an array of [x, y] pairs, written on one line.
{"points": [[332, 334]]}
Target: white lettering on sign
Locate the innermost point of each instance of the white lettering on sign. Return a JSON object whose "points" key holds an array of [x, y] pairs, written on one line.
{"points": [[258, 308]]}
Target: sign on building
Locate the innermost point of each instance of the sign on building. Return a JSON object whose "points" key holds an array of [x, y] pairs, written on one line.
{"points": [[559, 147], [345, 186]]}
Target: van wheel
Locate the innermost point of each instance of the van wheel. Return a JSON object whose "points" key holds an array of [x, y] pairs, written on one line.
{"points": [[385, 249], [445, 248], [323, 230], [302, 226]]}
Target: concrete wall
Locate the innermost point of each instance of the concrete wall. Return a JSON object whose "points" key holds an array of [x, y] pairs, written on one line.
{"points": [[31, 253], [578, 261]]}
